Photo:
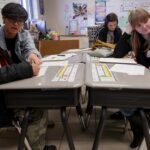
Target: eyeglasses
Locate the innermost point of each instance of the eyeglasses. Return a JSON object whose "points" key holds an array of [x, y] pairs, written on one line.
{"points": [[18, 21]]}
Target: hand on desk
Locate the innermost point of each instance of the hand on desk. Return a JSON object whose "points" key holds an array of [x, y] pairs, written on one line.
{"points": [[33, 58], [35, 69]]}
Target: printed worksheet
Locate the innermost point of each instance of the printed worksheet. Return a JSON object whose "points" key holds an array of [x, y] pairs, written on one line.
{"points": [[66, 73]]}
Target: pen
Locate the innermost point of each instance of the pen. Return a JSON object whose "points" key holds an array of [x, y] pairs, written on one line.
{"points": [[60, 55], [32, 62]]}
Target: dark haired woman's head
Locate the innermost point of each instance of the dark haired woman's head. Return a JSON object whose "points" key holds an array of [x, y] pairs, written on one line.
{"points": [[111, 21], [14, 11]]}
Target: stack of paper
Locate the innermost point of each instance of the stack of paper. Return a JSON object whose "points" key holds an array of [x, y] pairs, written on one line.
{"points": [[58, 57], [118, 60], [129, 69], [54, 63]]}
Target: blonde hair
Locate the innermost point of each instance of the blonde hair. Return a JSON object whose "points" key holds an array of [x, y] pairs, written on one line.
{"points": [[135, 18]]}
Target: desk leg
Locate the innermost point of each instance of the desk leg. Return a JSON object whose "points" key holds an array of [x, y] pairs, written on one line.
{"points": [[67, 128], [80, 114], [23, 130], [145, 128], [100, 127], [89, 110]]}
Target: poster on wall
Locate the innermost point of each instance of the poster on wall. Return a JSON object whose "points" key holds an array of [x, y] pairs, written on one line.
{"points": [[80, 15], [76, 17], [123, 7], [100, 11]]}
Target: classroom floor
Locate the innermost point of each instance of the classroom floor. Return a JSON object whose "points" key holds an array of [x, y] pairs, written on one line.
{"points": [[113, 136]]}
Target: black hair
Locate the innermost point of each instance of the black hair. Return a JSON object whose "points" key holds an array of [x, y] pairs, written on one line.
{"points": [[109, 18], [14, 11]]}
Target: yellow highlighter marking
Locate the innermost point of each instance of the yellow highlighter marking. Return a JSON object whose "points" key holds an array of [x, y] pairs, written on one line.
{"points": [[61, 72], [106, 71]]}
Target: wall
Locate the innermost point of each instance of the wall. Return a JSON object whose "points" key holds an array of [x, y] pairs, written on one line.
{"points": [[123, 7], [55, 14]]}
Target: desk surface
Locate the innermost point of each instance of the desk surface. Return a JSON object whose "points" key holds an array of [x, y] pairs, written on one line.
{"points": [[122, 80], [45, 82], [42, 92], [127, 91]]}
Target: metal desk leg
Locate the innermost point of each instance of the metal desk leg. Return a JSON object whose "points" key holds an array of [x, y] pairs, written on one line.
{"points": [[23, 130], [80, 114], [100, 128], [145, 129], [67, 128], [89, 110]]}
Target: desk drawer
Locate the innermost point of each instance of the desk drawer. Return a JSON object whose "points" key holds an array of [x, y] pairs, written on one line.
{"points": [[41, 98]]}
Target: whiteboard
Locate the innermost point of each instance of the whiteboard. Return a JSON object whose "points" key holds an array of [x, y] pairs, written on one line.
{"points": [[2, 4], [123, 7]]}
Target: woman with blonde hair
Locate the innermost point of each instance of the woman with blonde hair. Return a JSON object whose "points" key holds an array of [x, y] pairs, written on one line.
{"points": [[136, 39]]}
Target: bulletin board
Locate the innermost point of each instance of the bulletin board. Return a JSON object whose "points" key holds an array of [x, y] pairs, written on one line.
{"points": [[2, 4], [123, 7]]}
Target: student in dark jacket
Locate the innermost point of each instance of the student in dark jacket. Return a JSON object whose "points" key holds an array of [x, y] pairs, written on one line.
{"points": [[110, 32], [10, 71], [136, 40], [19, 59]]}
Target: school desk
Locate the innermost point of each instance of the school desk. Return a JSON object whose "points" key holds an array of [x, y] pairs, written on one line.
{"points": [[42, 92], [127, 91]]}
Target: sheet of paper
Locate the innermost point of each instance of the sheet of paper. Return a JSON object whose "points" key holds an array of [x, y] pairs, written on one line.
{"points": [[94, 59], [58, 57], [94, 73], [54, 63], [42, 71], [79, 50], [66, 73], [118, 60], [129, 69], [101, 72]]}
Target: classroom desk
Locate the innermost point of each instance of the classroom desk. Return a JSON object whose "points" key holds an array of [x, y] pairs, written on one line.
{"points": [[80, 57], [126, 92], [41, 92]]}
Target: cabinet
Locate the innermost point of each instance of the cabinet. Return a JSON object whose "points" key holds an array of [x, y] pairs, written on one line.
{"points": [[83, 39], [48, 47]]}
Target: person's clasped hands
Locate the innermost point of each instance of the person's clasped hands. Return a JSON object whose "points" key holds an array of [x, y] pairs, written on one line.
{"points": [[35, 63]]}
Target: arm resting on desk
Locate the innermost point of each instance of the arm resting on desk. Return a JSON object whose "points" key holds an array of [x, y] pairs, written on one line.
{"points": [[15, 72]]}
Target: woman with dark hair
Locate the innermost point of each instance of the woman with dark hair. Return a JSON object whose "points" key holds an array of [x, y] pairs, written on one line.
{"points": [[110, 32]]}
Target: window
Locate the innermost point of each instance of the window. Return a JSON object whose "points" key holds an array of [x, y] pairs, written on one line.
{"points": [[32, 11]]}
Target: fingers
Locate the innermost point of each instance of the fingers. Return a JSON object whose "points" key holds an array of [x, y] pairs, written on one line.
{"points": [[35, 69], [34, 59]]}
